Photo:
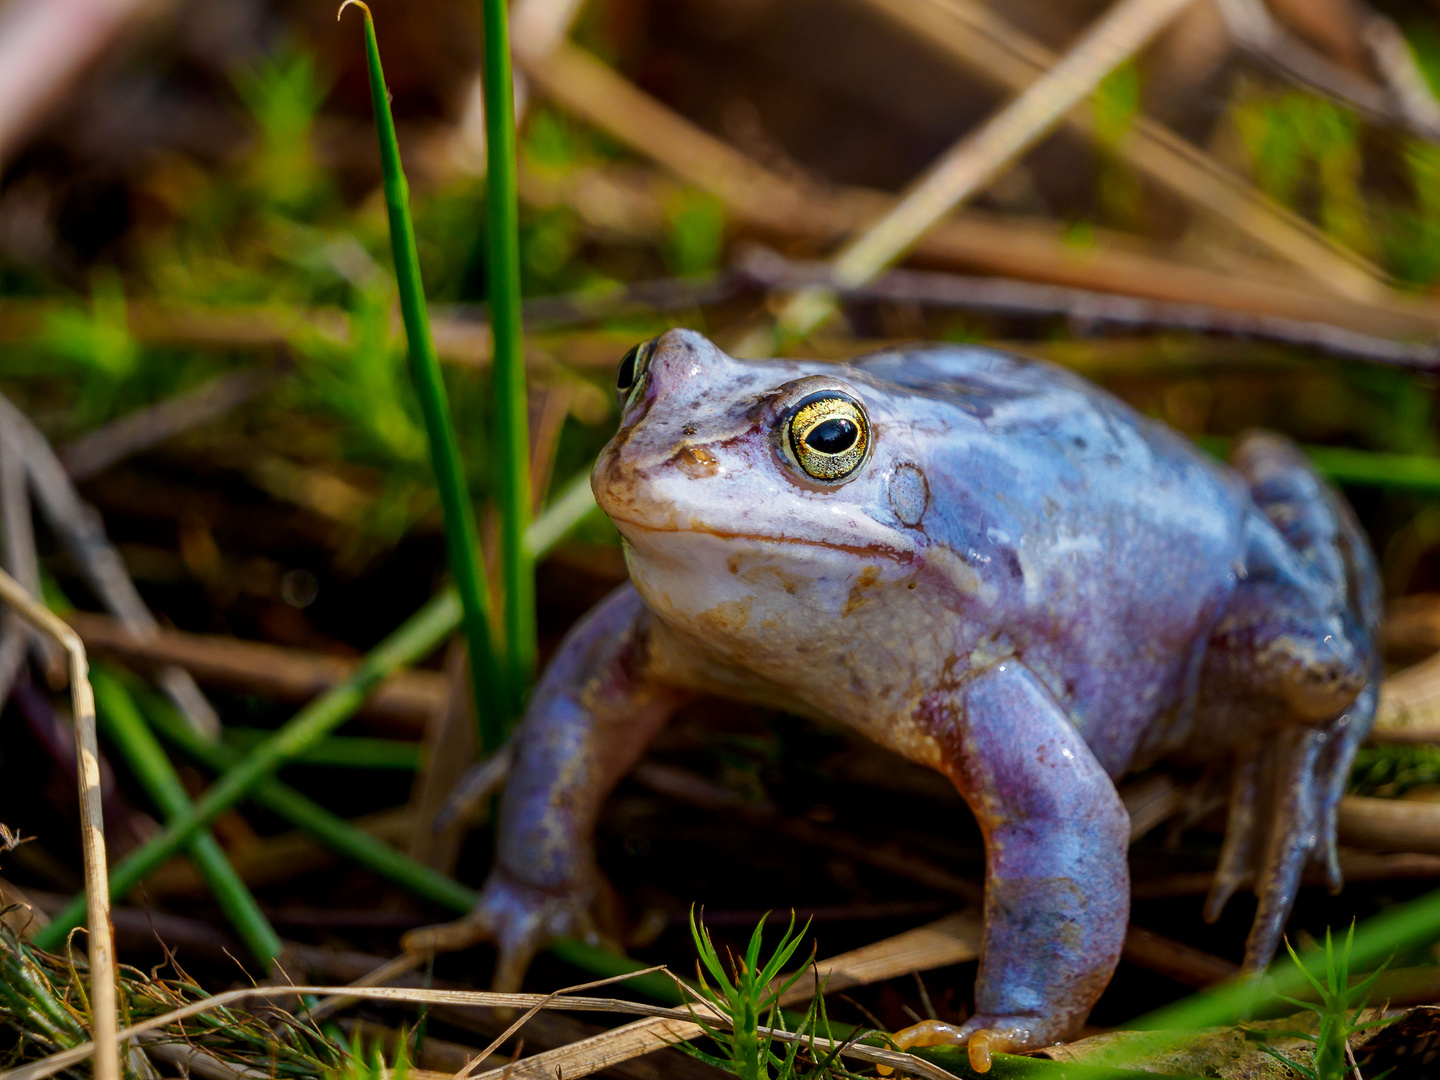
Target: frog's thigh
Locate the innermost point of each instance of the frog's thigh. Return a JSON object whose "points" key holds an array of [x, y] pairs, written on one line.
{"points": [[1057, 891]]}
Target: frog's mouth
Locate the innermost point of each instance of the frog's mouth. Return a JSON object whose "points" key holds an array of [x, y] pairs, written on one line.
{"points": [[696, 528]]}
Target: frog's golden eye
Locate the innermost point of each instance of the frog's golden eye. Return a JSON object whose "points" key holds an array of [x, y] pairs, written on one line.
{"points": [[632, 367], [829, 434]]}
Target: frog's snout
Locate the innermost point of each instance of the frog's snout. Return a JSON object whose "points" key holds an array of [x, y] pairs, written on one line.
{"points": [[674, 393]]}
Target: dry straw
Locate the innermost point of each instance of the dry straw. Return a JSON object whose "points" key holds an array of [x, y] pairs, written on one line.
{"points": [[55, 1063], [103, 1020]]}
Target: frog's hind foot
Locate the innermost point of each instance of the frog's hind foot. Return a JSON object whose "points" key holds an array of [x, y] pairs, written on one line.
{"points": [[1284, 798]]}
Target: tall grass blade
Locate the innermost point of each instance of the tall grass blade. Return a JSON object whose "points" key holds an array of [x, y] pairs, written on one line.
{"points": [[512, 440], [121, 720], [492, 698], [412, 640]]}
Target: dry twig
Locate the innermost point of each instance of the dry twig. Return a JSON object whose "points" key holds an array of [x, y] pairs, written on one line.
{"points": [[103, 1015], [1088, 308], [982, 155], [984, 43], [404, 700], [80, 529], [138, 431], [49, 1066]]}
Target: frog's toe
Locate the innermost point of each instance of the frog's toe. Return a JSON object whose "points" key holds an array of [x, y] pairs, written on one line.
{"points": [[984, 1035], [1237, 852], [1296, 814], [519, 918], [474, 929]]}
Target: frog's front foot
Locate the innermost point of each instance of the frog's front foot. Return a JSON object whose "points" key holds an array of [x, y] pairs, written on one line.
{"points": [[519, 918], [986, 1035]]}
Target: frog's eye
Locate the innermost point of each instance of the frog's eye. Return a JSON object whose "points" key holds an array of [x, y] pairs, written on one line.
{"points": [[829, 434], [632, 367]]}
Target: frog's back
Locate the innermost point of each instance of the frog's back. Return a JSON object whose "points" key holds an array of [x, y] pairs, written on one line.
{"points": [[1104, 546]]}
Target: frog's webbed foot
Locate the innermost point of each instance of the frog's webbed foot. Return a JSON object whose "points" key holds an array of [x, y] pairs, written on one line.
{"points": [[1284, 799], [519, 919], [985, 1035]]}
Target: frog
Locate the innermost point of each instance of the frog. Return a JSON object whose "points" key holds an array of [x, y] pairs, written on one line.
{"points": [[987, 565]]}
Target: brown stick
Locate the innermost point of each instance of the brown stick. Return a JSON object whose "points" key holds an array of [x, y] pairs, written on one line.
{"points": [[276, 859], [81, 531], [1410, 705], [1354, 867], [103, 1006], [449, 745], [95, 452], [984, 43], [981, 155], [1258, 33], [1091, 308], [405, 699], [1175, 960], [1016, 248], [1390, 824]]}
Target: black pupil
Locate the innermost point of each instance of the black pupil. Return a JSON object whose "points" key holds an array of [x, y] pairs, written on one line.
{"points": [[626, 375], [833, 436]]}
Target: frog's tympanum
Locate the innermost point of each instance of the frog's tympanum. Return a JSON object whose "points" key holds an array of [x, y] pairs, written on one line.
{"points": [[993, 568]]}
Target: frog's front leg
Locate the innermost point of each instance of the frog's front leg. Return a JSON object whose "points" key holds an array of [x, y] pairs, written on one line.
{"points": [[591, 717], [1057, 889]]}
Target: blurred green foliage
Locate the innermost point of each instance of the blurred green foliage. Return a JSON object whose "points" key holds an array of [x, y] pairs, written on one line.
{"points": [[1392, 769], [1115, 106], [274, 230], [1305, 153]]}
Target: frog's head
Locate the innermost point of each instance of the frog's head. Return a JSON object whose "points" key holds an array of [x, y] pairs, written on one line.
{"points": [[745, 481]]}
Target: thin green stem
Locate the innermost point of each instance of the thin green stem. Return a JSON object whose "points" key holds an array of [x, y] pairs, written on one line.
{"points": [[330, 829], [512, 438], [1349, 467], [122, 723], [416, 637], [492, 696], [340, 751]]}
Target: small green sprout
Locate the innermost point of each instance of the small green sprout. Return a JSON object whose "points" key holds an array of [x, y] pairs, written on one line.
{"points": [[749, 996], [1339, 1010]]}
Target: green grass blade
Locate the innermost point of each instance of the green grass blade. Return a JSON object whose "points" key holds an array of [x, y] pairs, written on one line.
{"points": [[461, 539], [414, 639], [512, 440], [340, 751], [122, 723], [330, 829]]}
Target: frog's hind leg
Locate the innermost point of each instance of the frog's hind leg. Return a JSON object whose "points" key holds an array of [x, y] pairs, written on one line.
{"points": [[1297, 651]]}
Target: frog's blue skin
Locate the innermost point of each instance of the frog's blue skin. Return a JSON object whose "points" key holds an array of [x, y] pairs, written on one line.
{"points": [[1025, 586]]}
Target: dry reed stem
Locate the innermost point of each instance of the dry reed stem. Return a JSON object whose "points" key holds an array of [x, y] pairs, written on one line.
{"points": [[1013, 247], [1092, 308], [82, 533], [978, 158], [405, 698], [982, 155], [386, 972], [1410, 705], [49, 1066], [103, 1007], [953, 939], [1256, 31], [1397, 825], [990, 47], [520, 1021]]}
